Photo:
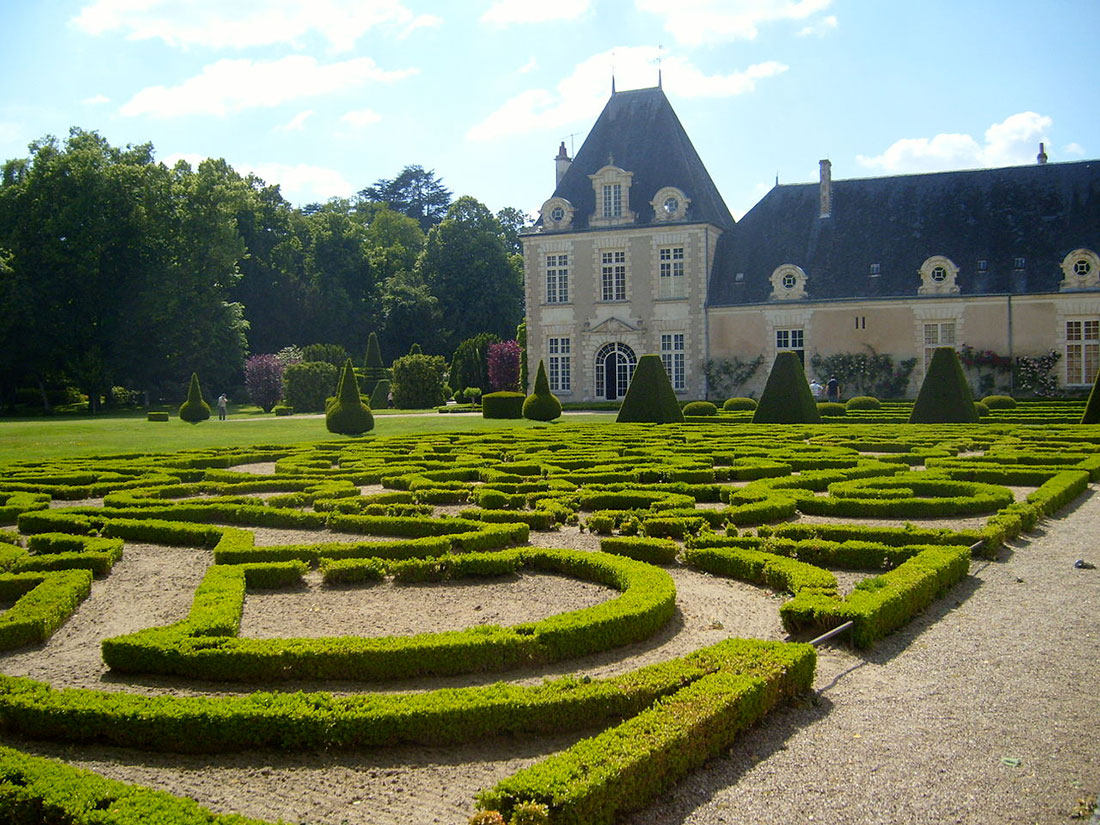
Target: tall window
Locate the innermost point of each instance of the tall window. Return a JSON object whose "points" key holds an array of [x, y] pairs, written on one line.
{"points": [[557, 351], [557, 279], [671, 272], [1082, 351], [612, 200], [672, 356], [613, 275], [938, 334], [793, 340]]}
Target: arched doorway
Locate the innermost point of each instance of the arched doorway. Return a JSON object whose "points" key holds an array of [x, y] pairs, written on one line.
{"points": [[614, 366]]}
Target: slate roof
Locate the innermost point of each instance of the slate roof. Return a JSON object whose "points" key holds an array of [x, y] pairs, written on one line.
{"points": [[1039, 213], [639, 132]]}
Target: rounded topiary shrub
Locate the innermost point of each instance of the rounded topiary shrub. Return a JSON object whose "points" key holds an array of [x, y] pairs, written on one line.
{"points": [[541, 405], [831, 409], [349, 415], [944, 396], [650, 397], [502, 405], [739, 404], [787, 398], [999, 402], [863, 402], [700, 408], [981, 408], [194, 409], [284, 409], [157, 416]]}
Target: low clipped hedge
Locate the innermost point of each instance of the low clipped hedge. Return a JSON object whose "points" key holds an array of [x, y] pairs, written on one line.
{"points": [[999, 402], [205, 644], [831, 409], [156, 416], [863, 402], [651, 550], [42, 603], [502, 405], [704, 408], [758, 567]]}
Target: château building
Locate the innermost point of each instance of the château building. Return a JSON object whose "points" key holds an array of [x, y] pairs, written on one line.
{"points": [[636, 252]]}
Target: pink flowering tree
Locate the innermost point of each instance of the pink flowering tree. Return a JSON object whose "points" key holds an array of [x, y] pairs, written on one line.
{"points": [[504, 366], [263, 376]]}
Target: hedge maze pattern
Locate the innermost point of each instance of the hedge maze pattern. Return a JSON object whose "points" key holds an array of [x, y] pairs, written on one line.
{"points": [[740, 502]]}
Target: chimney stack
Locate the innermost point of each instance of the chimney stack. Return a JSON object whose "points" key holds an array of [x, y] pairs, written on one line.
{"points": [[1042, 156], [826, 188], [561, 163]]}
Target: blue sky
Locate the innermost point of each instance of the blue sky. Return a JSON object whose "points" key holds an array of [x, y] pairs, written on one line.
{"points": [[326, 96]]}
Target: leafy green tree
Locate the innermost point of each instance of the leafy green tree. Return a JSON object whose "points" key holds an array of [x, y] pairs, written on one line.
{"points": [[409, 314], [417, 381], [415, 192], [465, 265], [470, 363], [512, 222]]}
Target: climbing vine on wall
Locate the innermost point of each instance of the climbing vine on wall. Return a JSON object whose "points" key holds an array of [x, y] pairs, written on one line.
{"points": [[865, 373], [725, 376]]}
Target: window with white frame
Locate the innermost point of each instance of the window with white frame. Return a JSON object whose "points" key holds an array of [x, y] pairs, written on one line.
{"points": [[671, 271], [612, 200], [557, 364], [557, 279], [1082, 350], [672, 356], [937, 334], [613, 275], [793, 340]]}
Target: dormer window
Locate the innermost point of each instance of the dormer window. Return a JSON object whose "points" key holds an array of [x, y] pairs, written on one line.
{"points": [[1080, 270], [557, 215], [612, 189], [788, 283], [983, 265], [876, 270], [669, 204], [938, 276], [1019, 263]]}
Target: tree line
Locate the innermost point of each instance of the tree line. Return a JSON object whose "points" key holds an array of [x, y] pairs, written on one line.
{"points": [[118, 271]]}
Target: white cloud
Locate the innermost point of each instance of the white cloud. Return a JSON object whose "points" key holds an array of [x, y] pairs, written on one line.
{"points": [[96, 100], [246, 23], [506, 12], [819, 28], [233, 85], [581, 95], [1074, 149], [296, 123], [301, 183], [529, 66], [708, 22], [360, 118], [1012, 142]]}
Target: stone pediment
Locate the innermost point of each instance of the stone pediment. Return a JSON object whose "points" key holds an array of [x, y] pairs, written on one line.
{"points": [[612, 325]]}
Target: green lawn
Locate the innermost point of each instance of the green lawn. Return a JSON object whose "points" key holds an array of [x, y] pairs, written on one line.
{"points": [[55, 437]]}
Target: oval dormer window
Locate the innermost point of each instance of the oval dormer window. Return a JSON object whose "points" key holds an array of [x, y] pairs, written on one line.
{"points": [[557, 214], [939, 274]]}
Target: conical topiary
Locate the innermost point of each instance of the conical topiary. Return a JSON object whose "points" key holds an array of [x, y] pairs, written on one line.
{"points": [[787, 398], [542, 405], [944, 396], [374, 367], [194, 409], [416, 350], [348, 415], [650, 397], [1092, 408]]}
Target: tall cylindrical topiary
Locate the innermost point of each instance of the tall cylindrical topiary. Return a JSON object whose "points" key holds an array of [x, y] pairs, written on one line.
{"points": [[787, 398], [944, 396], [349, 415], [1092, 408], [194, 409], [542, 405], [650, 397]]}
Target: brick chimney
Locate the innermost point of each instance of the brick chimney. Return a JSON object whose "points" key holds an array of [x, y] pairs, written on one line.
{"points": [[561, 163], [826, 188], [1042, 156]]}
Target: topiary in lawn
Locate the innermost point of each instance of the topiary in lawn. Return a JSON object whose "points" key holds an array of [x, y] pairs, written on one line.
{"points": [[349, 415], [981, 409], [374, 369], [1092, 407], [739, 403], [542, 405], [650, 397], [700, 408], [787, 398], [999, 402], [380, 398], [502, 404], [194, 409], [863, 402], [944, 396]]}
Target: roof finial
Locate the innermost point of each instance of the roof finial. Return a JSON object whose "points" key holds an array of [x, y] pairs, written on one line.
{"points": [[1042, 156], [612, 81], [660, 57]]}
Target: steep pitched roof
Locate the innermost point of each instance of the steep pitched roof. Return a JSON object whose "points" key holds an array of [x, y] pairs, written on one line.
{"points": [[639, 132], [1039, 213]]}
